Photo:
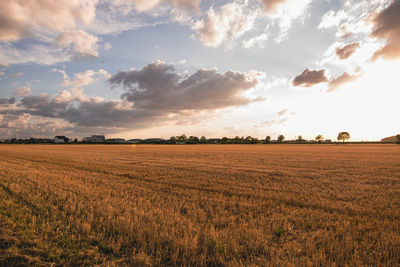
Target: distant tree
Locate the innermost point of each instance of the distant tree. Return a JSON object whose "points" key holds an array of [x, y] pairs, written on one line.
{"points": [[343, 136], [173, 140], [398, 138], [193, 140], [248, 139], [76, 140], [300, 139], [203, 140], [237, 140], [268, 139], [319, 138], [182, 138], [281, 138], [255, 141], [225, 140]]}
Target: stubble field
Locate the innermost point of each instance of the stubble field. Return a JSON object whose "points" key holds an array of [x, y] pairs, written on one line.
{"points": [[215, 205]]}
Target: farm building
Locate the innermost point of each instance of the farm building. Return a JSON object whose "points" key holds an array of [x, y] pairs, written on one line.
{"points": [[60, 139], [94, 139], [115, 140]]}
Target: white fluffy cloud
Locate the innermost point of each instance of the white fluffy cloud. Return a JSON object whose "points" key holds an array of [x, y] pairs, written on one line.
{"points": [[83, 78], [225, 24], [82, 43], [148, 5], [40, 54], [20, 18], [23, 91]]}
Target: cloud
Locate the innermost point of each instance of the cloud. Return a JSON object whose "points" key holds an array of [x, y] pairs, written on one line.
{"points": [[271, 5], [6, 101], [257, 41], [156, 94], [17, 75], [19, 19], [284, 13], [386, 26], [309, 78], [270, 123], [3, 63], [148, 5], [107, 46], [63, 73], [159, 86], [26, 125], [187, 4], [353, 18], [228, 23], [82, 43], [83, 78], [23, 91], [37, 53], [345, 77], [347, 50], [282, 112]]}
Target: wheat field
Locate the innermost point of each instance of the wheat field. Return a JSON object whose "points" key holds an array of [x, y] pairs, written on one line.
{"points": [[200, 205]]}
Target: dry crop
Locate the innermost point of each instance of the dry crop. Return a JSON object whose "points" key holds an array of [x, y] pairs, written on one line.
{"points": [[212, 205]]}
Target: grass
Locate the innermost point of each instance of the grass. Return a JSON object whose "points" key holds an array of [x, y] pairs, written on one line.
{"points": [[216, 205]]}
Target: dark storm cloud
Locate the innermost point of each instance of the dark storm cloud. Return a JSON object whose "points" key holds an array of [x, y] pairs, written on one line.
{"points": [[156, 94], [386, 26], [7, 100], [42, 105], [347, 50], [159, 87], [309, 78]]}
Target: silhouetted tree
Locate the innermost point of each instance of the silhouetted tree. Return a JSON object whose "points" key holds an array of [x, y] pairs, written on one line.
{"points": [[300, 139], [203, 140], [398, 138], [281, 138], [268, 139], [193, 140], [76, 140], [182, 138], [343, 136], [224, 140], [248, 139], [319, 138], [173, 140]]}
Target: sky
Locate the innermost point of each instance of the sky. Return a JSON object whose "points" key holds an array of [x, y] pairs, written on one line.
{"points": [[160, 68]]}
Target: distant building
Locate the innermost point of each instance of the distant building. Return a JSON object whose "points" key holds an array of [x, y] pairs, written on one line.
{"points": [[94, 139], [134, 141], [60, 139], [154, 141], [115, 140]]}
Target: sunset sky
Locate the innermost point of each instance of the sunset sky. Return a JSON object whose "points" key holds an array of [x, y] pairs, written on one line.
{"points": [[157, 68]]}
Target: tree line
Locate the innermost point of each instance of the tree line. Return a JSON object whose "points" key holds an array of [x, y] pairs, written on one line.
{"points": [[183, 139]]}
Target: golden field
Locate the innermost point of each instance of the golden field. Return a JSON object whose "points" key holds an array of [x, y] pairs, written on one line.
{"points": [[197, 205]]}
